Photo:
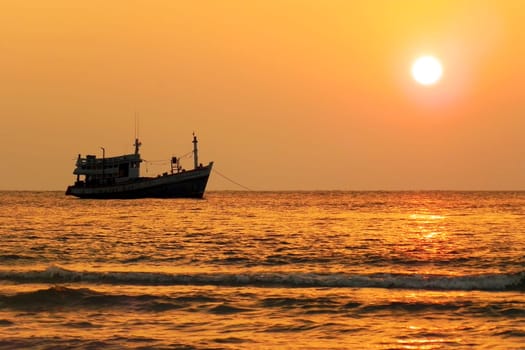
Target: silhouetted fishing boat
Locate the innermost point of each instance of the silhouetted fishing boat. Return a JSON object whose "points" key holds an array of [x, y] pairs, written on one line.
{"points": [[119, 177]]}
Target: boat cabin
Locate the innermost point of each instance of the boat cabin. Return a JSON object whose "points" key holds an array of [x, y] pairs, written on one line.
{"points": [[106, 171]]}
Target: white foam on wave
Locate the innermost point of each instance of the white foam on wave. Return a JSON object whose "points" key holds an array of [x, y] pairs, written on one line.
{"points": [[486, 282]]}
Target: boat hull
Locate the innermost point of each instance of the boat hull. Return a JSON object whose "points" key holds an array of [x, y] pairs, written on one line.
{"points": [[188, 184]]}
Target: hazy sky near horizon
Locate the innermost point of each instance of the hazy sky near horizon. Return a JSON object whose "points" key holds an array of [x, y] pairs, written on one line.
{"points": [[284, 95]]}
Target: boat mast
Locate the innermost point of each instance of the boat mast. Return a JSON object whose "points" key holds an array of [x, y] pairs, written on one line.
{"points": [[103, 162], [137, 144], [195, 152]]}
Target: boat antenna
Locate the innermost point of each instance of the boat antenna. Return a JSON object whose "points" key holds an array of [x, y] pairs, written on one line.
{"points": [[136, 125]]}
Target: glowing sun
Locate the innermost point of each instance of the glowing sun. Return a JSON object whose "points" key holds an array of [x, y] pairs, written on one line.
{"points": [[427, 70]]}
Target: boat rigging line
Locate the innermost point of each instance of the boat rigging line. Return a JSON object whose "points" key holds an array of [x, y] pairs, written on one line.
{"points": [[164, 161], [189, 155], [232, 181]]}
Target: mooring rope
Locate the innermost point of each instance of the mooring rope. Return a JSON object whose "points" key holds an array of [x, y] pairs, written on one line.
{"points": [[232, 181]]}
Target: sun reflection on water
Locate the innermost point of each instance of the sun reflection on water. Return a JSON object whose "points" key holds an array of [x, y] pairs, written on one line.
{"points": [[425, 240]]}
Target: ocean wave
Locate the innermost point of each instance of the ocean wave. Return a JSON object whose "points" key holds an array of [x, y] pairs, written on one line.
{"points": [[12, 257], [482, 282], [70, 299], [65, 297]]}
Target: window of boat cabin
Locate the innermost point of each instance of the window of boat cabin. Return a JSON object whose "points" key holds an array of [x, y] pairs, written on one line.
{"points": [[123, 170]]}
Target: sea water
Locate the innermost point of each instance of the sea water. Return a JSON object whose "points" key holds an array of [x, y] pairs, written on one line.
{"points": [[264, 270]]}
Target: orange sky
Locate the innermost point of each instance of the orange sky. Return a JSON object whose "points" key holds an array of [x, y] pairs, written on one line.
{"points": [[283, 95]]}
